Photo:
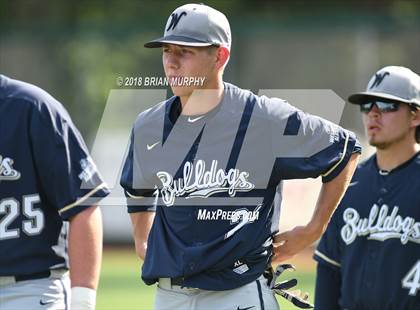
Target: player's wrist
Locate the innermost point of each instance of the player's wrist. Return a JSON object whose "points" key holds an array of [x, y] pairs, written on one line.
{"points": [[83, 298], [314, 230]]}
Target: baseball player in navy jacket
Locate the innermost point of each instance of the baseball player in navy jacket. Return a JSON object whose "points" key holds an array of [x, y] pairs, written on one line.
{"points": [[46, 226], [369, 257]]}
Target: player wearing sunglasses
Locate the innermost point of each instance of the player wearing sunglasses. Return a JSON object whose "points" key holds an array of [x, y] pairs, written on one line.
{"points": [[369, 256], [383, 106]]}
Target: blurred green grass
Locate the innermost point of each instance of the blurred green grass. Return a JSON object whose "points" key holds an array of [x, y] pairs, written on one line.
{"points": [[121, 288]]}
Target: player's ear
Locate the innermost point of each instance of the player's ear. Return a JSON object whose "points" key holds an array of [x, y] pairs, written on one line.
{"points": [[415, 121], [222, 57]]}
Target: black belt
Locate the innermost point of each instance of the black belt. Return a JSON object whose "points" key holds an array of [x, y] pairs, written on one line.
{"points": [[177, 281], [33, 276]]}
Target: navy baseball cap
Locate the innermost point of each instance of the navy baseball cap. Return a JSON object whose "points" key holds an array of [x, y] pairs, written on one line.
{"points": [[195, 25], [391, 83]]}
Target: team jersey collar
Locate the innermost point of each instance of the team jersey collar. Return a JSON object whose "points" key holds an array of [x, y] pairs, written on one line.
{"points": [[398, 168], [173, 112]]}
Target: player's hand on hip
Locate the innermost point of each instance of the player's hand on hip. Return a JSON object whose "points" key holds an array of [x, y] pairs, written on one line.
{"points": [[289, 243]]}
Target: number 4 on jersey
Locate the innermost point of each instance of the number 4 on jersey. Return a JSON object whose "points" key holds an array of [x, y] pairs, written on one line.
{"points": [[412, 280]]}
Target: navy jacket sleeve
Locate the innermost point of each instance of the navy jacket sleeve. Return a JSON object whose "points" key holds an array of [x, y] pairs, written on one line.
{"points": [[328, 251], [67, 173], [327, 289], [328, 256]]}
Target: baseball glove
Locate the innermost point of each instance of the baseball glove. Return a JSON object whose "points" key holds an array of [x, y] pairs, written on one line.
{"points": [[295, 297]]}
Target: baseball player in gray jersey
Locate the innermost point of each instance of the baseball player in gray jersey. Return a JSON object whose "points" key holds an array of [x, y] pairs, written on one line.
{"points": [[204, 167]]}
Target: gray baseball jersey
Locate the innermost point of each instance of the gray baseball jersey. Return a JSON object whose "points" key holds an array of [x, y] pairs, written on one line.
{"points": [[213, 179]]}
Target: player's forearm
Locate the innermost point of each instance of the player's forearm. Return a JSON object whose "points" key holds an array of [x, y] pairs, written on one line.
{"points": [[330, 196], [289, 243], [142, 222], [85, 248]]}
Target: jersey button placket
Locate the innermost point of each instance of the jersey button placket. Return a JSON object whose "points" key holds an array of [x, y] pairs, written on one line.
{"points": [[191, 266], [370, 271], [382, 189]]}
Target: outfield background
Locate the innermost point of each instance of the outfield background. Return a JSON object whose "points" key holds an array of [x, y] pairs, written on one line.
{"points": [[77, 49]]}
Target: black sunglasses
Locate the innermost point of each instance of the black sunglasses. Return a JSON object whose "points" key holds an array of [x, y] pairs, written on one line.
{"points": [[383, 106]]}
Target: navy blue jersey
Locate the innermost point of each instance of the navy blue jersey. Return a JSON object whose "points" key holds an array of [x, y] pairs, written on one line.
{"points": [[373, 240], [45, 174], [213, 180]]}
